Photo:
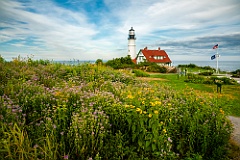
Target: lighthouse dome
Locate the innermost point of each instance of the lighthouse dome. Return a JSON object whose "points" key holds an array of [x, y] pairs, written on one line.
{"points": [[131, 34], [131, 31]]}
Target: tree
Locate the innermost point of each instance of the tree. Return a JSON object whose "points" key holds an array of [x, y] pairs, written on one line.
{"points": [[99, 62]]}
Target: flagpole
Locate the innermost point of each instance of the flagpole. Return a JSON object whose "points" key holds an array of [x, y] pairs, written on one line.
{"points": [[217, 61]]}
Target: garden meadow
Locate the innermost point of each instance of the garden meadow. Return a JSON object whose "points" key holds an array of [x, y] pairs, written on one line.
{"points": [[91, 111]]}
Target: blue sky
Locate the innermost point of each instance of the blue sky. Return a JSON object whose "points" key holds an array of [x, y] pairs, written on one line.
{"points": [[90, 30]]}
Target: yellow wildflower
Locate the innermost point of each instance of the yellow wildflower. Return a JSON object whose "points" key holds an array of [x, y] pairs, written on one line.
{"points": [[221, 111], [143, 102], [164, 130], [57, 93], [169, 104], [150, 115], [155, 112], [139, 110], [152, 104], [144, 112], [130, 96], [158, 103], [132, 106]]}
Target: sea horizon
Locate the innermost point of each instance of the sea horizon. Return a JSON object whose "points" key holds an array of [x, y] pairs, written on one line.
{"points": [[222, 65]]}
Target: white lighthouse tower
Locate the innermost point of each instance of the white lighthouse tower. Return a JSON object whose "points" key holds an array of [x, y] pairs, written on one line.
{"points": [[131, 43]]}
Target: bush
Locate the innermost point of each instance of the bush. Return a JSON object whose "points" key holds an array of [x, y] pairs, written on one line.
{"points": [[120, 63], [139, 73], [173, 70], [195, 66], [206, 73], [236, 73], [99, 62], [225, 80], [187, 65], [156, 68]]}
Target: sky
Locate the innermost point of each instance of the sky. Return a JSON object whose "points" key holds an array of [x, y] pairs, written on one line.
{"points": [[89, 30]]}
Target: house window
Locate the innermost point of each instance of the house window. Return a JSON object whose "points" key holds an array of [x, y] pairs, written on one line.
{"points": [[158, 57], [141, 58]]}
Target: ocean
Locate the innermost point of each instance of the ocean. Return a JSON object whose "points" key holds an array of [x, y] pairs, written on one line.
{"points": [[222, 65]]}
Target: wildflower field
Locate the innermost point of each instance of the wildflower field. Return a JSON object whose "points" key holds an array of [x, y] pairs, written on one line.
{"points": [[56, 111]]}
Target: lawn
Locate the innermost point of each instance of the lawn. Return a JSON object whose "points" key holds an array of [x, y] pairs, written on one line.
{"points": [[230, 93]]}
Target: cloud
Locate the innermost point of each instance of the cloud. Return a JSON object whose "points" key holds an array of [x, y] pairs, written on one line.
{"points": [[90, 30]]}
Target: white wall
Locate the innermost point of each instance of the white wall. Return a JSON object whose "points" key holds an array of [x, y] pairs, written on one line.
{"points": [[132, 48]]}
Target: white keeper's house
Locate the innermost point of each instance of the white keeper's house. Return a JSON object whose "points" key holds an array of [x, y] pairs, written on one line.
{"points": [[146, 55]]}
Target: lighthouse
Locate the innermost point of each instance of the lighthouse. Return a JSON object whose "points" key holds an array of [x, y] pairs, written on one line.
{"points": [[131, 43]]}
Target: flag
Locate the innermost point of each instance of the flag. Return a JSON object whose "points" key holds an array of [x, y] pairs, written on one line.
{"points": [[213, 57], [216, 46]]}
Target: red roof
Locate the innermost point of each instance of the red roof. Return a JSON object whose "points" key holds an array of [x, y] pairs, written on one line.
{"points": [[157, 56], [134, 60]]}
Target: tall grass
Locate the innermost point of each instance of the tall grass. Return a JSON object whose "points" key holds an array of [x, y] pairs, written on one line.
{"points": [[56, 111]]}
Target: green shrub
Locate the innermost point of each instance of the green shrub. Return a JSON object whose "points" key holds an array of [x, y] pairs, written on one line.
{"points": [[139, 73], [206, 73], [236, 73], [156, 68], [120, 63], [225, 80], [187, 65], [99, 62]]}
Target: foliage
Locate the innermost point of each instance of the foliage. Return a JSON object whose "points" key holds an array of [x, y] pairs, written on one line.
{"points": [[172, 70], [99, 62], [193, 78], [187, 65], [236, 73], [206, 73], [194, 66], [88, 111], [1, 59], [120, 63], [225, 80], [151, 67], [140, 73]]}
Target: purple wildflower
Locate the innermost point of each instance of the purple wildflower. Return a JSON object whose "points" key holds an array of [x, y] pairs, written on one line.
{"points": [[169, 139], [35, 146], [65, 157]]}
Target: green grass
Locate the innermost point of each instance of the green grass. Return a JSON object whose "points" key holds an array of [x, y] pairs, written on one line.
{"points": [[230, 93]]}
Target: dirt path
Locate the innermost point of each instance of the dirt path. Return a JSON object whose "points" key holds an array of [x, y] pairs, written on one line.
{"points": [[151, 79], [236, 125]]}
